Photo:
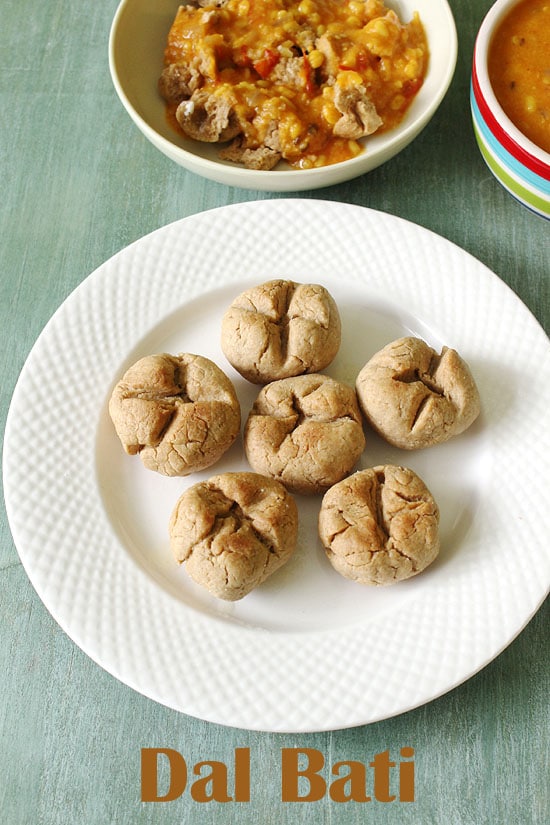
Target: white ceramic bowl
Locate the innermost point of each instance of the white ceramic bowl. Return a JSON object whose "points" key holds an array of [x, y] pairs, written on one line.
{"points": [[521, 166], [136, 48]]}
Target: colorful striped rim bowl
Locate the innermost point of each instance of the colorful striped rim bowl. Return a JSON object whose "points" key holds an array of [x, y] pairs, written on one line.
{"points": [[522, 167]]}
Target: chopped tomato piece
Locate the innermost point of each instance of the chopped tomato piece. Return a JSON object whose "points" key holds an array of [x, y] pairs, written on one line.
{"points": [[308, 71], [267, 63]]}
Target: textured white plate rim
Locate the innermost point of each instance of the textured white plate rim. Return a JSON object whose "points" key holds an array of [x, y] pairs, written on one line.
{"points": [[236, 674]]}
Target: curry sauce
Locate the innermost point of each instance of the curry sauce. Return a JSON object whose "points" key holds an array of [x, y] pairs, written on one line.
{"points": [[519, 69]]}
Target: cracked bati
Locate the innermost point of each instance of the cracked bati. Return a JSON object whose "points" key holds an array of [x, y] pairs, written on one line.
{"points": [[280, 329], [414, 397], [305, 431], [233, 531], [179, 413], [380, 525]]}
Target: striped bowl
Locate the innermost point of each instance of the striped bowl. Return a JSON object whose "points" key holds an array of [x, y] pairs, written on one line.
{"points": [[519, 165]]}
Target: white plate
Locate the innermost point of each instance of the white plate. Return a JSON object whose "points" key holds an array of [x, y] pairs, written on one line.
{"points": [[307, 650]]}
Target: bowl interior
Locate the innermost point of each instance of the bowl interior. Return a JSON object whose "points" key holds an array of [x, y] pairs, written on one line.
{"points": [[489, 25], [137, 40]]}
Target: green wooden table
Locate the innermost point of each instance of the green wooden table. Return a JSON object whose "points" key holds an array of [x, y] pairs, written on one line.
{"points": [[79, 183]]}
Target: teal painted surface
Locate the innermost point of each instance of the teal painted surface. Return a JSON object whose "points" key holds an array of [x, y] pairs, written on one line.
{"points": [[79, 183]]}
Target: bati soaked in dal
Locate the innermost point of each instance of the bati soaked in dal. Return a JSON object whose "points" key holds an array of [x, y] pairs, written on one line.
{"points": [[301, 81]]}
